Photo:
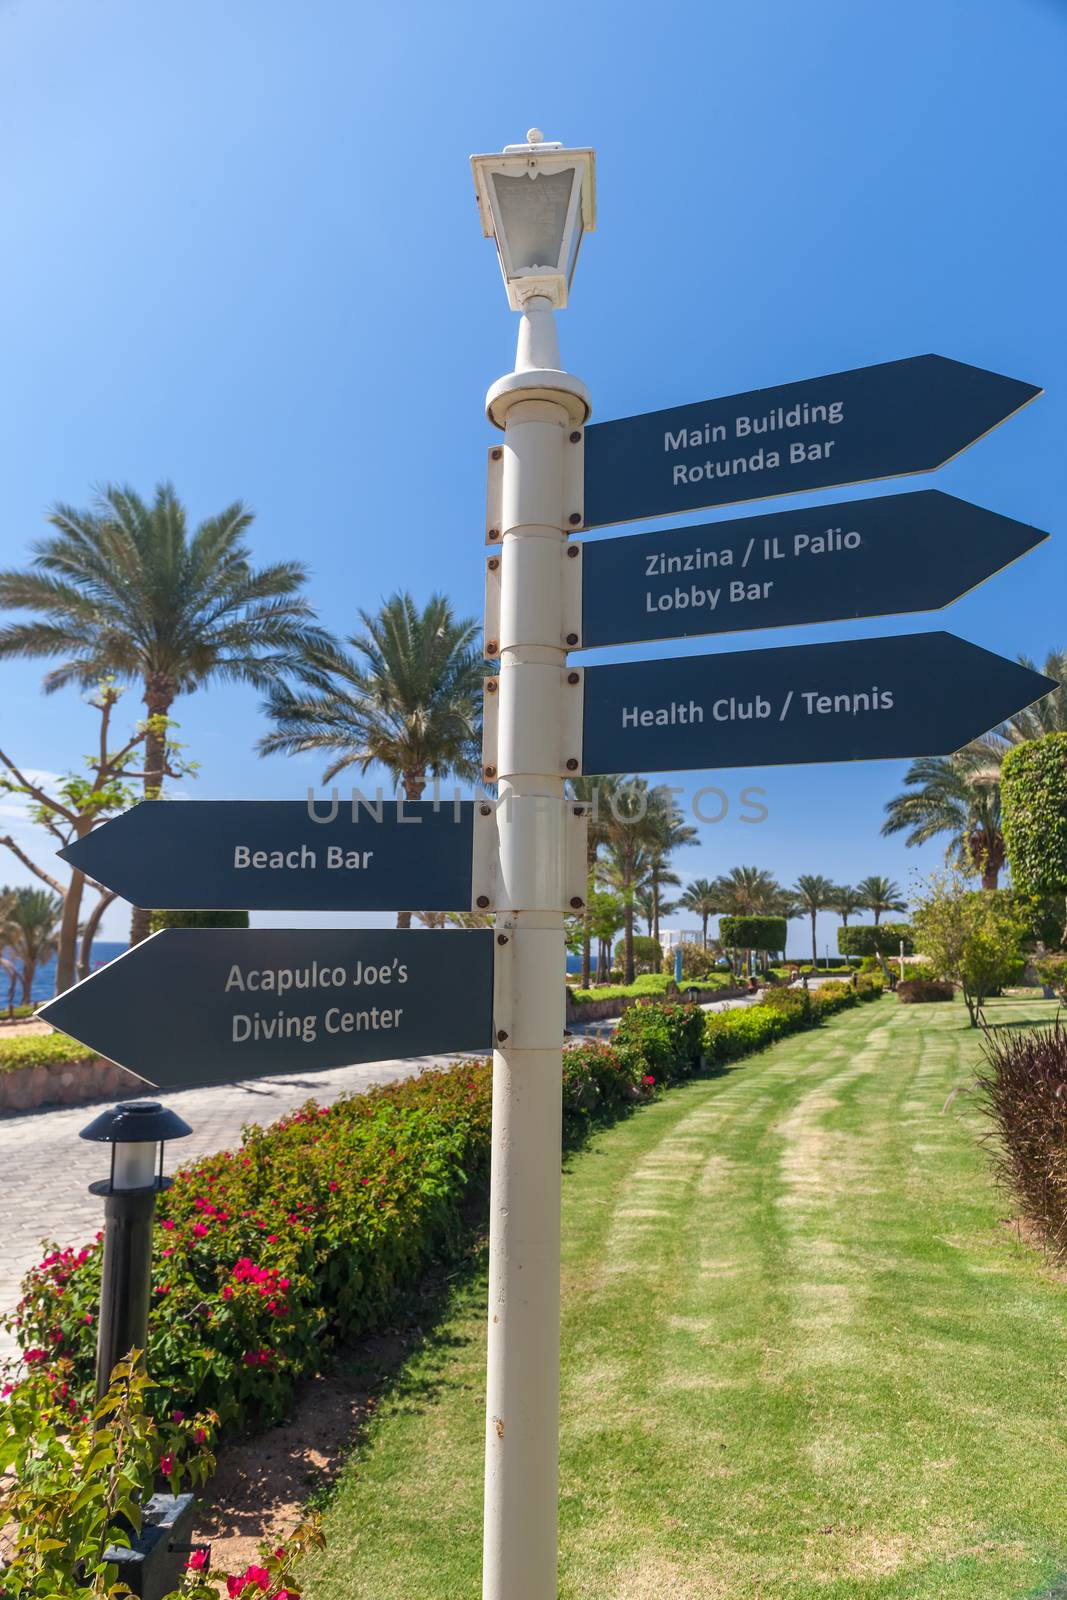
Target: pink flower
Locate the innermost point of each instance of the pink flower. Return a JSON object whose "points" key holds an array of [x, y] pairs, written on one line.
{"points": [[197, 1562], [258, 1575], [200, 1230], [166, 1464], [227, 1292], [200, 1436], [333, 1184], [166, 1223], [179, 1416], [234, 1586]]}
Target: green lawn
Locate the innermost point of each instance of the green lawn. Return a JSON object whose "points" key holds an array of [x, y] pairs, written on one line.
{"points": [[802, 1354]]}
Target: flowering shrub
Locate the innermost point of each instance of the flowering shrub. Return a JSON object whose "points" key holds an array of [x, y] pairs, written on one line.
{"points": [[73, 1489], [314, 1228], [664, 1042]]}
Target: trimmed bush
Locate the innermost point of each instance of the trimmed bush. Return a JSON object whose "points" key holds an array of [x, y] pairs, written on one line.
{"points": [[1033, 787], [1052, 970], [1024, 1084], [41, 1050], [924, 991], [753, 933], [865, 939]]}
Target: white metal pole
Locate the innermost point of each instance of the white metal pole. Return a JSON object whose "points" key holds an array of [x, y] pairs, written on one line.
{"points": [[522, 1401]]}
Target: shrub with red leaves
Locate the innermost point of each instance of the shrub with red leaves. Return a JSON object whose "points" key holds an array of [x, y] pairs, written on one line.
{"points": [[1024, 1083]]}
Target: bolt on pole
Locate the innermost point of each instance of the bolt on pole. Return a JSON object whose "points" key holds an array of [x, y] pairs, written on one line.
{"points": [[522, 1409]]}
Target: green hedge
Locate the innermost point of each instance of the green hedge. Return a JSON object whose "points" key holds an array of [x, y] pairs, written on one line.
{"points": [[753, 933], [40, 1050], [648, 986], [729, 1035]]}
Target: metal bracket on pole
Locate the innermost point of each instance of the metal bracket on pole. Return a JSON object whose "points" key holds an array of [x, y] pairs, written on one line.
{"points": [[491, 628], [574, 478], [490, 727], [572, 721], [484, 857], [552, 877], [494, 495], [571, 554]]}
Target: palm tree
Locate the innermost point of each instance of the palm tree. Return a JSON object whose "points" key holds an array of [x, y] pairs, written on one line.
{"points": [[670, 833], [701, 898], [595, 795], [880, 894], [750, 892], [31, 932], [959, 795], [409, 699], [812, 893], [846, 902], [124, 589], [632, 835]]}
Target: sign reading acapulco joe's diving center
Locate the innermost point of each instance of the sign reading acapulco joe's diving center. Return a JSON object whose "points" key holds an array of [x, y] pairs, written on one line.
{"points": [[211, 1005]]}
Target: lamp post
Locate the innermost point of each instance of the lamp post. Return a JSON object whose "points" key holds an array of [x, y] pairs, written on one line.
{"points": [[136, 1132], [536, 200]]}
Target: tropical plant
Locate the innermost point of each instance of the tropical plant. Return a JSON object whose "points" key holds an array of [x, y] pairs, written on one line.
{"points": [[814, 893], [846, 902], [409, 699], [1034, 785], [959, 795], [123, 589], [594, 795], [971, 938], [700, 897], [670, 833], [633, 831], [878, 895], [750, 891], [30, 932]]}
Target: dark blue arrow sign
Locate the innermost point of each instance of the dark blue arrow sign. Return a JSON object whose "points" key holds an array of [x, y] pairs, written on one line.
{"points": [[866, 558], [283, 855], [874, 422], [919, 694], [206, 1005]]}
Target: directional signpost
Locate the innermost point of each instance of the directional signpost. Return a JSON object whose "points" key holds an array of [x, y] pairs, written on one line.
{"points": [[282, 855], [214, 1005], [874, 422], [865, 558], [861, 700], [201, 1006]]}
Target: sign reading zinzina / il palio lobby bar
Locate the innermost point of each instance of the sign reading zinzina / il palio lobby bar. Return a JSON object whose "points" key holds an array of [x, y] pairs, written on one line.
{"points": [[861, 700], [217, 1005], [852, 427], [865, 558]]}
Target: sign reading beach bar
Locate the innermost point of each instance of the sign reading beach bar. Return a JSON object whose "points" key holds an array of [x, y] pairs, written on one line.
{"points": [[874, 422]]}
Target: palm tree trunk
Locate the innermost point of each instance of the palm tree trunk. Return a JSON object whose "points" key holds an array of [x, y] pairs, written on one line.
{"points": [[29, 972], [67, 945], [159, 694], [89, 932], [413, 784], [654, 929], [704, 930], [628, 940], [990, 876], [814, 945]]}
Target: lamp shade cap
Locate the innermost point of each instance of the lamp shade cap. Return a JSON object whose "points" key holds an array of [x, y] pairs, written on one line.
{"points": [[136, 1122]]}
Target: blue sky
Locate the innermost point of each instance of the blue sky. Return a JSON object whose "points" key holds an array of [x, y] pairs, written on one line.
{"points": [[240, 250]]}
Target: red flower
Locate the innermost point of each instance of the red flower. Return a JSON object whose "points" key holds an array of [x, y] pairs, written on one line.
{"points": [[227, 1292], [166, 1464], [166, 1223], [179, 1416], [200, 1229], [258, 1575], [197, 1562]]}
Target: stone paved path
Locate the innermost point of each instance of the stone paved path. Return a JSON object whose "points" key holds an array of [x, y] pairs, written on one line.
{"points": [[45, 1169]]}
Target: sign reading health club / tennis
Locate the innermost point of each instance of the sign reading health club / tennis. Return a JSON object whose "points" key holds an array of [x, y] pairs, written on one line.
{"points": [[284, 855], [866, 558], [852, 427], [919, 694], [218, 1005]]}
